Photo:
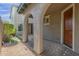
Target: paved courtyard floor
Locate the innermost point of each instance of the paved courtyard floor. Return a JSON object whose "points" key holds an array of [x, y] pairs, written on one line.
{"points": [[17, 50], [53, 48]]}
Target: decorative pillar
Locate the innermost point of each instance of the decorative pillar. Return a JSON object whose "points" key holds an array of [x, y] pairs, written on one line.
{"points": [[38, 35], [25, 30]]}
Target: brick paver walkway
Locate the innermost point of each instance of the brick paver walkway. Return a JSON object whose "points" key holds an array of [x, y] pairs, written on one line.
{"points": [[17, 50]]}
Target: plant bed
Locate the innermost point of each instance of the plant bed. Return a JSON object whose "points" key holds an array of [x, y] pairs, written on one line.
{"points": [[10, 42]]}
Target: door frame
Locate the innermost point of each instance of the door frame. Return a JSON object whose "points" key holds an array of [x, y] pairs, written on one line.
{"points": [[73, 24]]}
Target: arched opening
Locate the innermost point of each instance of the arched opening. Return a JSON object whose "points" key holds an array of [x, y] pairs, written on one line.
{"points": [[52, 28], [28, 30]]}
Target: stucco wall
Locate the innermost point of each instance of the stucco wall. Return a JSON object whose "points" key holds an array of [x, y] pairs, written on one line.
{"points": [[37, 11], [16, 18], [53, 31], [76, 40]]}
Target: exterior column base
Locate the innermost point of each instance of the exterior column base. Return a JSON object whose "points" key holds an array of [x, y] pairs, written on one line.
{"points": [[38, 53], [24, 41]]}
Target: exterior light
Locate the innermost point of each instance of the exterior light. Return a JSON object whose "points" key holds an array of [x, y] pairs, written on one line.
{"points": [[30, 16]]}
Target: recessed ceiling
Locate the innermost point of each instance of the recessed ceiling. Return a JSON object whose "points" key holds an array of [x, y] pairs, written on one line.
{"points": [[57, 7]]}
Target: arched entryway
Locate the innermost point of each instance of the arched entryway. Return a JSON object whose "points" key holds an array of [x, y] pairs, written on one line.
{"points": [[52, 27], [47, 25], [28, 30]]}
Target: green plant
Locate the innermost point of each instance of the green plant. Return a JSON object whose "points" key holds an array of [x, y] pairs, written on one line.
{"points": [[9, 29], [10, 40], [7, 40]]}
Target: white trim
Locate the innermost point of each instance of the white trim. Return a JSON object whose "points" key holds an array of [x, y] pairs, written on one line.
{"points": [[73, 25], [62, 24], [62, 27]]}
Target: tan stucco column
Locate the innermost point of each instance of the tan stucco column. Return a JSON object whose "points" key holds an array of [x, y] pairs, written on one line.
{"points": [[25, 30], [38, 35]]}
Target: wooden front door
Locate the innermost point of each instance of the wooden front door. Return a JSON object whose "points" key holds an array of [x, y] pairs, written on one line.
{"points": [[68, 26]]}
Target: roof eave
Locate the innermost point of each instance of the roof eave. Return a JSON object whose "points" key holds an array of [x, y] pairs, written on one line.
{"points": [[22, 7]]}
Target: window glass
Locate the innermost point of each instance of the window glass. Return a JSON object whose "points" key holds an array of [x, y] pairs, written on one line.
{"points": [[20, 27]]}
